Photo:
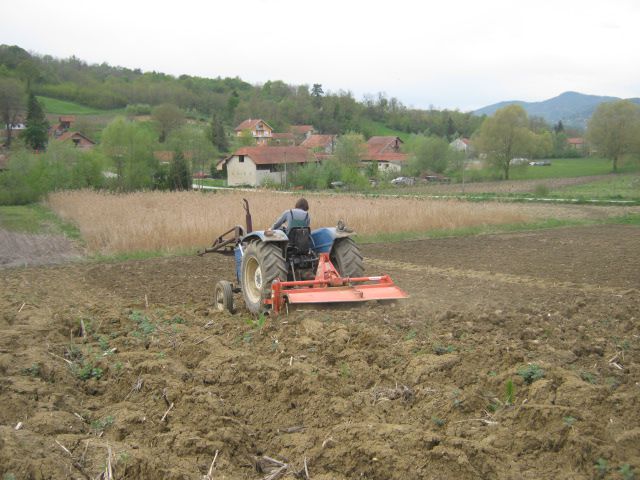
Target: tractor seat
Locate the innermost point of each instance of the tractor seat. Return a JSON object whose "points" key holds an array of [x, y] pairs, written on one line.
{"points": [[300, 239]]}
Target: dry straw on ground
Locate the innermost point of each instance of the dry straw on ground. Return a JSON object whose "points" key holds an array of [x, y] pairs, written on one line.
{"points": [[166, 221]]}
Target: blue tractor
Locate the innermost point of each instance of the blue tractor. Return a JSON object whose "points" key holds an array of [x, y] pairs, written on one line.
{"points": [[275, 268]]}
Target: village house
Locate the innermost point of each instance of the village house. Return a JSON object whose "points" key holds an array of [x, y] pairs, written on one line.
{"points": [[253, 166], [302, 132], [461, 145], [282, 139], [577, 143], [64, 124], [77, 139], [320, 143], [260, 130], [385, 152]]}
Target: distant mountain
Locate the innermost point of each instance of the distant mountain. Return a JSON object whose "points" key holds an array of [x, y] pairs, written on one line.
{"points": [[573, 108]]}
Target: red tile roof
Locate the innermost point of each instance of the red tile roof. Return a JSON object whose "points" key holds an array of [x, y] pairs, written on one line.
{"points": [[283, 136], [301, 129], [383, 149], [275, 155], [68, 135], [575, 141], [250, 124], [383, 144], [318, 141]]}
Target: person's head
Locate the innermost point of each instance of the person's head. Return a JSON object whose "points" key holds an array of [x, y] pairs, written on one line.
{"points": [[302, 204]]}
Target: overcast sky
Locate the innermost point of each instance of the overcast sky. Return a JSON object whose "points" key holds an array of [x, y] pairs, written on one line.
{"points": [[461, 54]]}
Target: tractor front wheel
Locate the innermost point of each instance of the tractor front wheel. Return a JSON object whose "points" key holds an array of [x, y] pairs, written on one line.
{"points": [[346, 257], [262, 263], [224, 296]]}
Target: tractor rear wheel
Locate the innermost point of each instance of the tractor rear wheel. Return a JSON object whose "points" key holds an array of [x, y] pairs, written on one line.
{"points": [[224, 296], [262, 263], [346, 257]]}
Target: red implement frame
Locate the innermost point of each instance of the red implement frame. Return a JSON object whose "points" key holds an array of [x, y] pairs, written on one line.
{"points": [[330, 287]]}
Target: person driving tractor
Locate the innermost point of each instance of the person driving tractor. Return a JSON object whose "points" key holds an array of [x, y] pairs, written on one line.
{"points": [[294, 218]]}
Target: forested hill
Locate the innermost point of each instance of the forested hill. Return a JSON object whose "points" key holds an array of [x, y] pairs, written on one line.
{"points": [[572, 108], [231, 99]]}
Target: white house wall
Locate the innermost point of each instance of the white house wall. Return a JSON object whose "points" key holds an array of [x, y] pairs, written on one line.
{"points": [[241, 173]]}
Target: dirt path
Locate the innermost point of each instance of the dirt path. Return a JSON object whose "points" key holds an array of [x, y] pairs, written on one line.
{"points": [[412, 390], [21, 249]]}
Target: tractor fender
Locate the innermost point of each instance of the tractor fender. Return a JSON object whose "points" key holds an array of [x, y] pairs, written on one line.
{"points": [[260, 235], [324, 238]]}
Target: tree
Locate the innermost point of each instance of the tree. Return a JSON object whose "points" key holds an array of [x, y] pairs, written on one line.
{"points": [[217, 135], [232, 104], [179, 173], [614, 130], [558, 127], [28, 72], [430, 154], [130, 146], [316, 93], [168, 117], [36, 133], [316, 90], [193, 143], [349, 149], [505, 136], [11, 103]]}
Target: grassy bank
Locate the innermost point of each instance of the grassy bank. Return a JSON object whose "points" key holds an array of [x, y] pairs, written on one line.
{"points": [[35, 219]]}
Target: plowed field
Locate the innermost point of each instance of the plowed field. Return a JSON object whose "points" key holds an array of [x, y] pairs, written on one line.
{"points": [[516, 357]]}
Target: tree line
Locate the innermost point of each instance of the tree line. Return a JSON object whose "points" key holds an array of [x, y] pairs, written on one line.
{"points": [[231, 99]]}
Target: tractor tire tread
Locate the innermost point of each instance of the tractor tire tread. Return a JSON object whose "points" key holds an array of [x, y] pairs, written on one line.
{"points": [[273, 265], [347, 258]]}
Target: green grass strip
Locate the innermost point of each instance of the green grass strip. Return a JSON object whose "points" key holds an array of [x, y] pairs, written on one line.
{"points": [[36, 219]]}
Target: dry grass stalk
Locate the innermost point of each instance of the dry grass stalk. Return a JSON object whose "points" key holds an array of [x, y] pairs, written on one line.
{"points": [[166, 221], [209, 474], [166, 413]]}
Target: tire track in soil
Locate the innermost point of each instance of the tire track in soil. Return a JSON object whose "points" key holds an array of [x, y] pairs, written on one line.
{"points": [[481, 275]]}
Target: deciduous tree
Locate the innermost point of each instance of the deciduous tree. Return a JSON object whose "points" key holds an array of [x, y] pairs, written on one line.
{"points": [[504, 136], [130, 146], [11, 103], [168, 117], [614, 130], [349, 149], [432, 154]]}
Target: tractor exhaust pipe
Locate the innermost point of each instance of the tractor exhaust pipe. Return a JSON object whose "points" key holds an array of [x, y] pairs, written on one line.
{"points": [[247, 216]]}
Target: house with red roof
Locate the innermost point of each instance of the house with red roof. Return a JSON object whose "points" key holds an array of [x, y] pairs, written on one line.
{"points": [[385, 151], [77, 139], [64, 124], [286, 138], [577, 143], [260, 130], [302, 132], [461, 144], [255, 166], [320, 143]]}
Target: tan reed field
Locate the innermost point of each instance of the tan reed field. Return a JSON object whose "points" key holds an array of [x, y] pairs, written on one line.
{"points": [[166, 221]]}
